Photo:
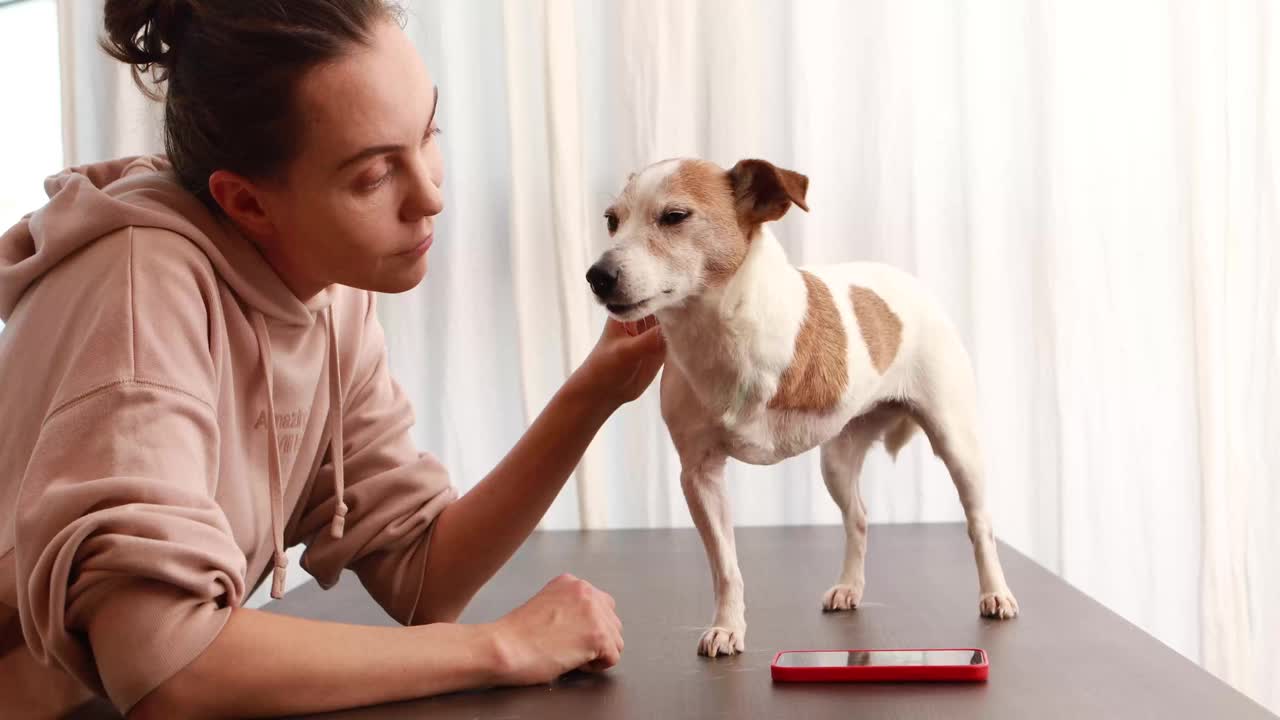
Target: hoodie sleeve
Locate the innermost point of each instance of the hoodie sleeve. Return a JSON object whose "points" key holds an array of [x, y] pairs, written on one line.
{"points": [[117, 496], [393, 491], [116, 502]]}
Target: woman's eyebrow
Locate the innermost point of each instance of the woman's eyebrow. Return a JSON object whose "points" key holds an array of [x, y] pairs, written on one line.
{"points": [[381, 149]]}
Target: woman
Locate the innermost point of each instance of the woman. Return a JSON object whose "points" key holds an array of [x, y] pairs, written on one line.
{"points": [[194, 379]]}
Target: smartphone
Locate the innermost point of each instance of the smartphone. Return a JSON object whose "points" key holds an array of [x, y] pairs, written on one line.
{"points": [[906, 665]]}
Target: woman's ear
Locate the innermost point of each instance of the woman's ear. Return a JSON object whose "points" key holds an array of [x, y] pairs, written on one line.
{"points": [[242, 201], [763, 192]]}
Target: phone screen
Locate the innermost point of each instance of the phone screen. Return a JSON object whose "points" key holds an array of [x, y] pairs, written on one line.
{"points": [[880, 658]]}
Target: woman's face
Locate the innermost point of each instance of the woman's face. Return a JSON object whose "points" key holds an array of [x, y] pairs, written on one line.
{"points": [[357, 206]]}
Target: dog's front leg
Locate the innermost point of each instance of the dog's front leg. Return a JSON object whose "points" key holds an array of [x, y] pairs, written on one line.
{"points": [[703, 482]]}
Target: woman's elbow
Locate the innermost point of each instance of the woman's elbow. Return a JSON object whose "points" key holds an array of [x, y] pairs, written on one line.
{"points": [[426, 616], [431, 611], [179, 696]]}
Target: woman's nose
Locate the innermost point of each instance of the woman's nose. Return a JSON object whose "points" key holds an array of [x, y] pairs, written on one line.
{"points": [[426, 198]]}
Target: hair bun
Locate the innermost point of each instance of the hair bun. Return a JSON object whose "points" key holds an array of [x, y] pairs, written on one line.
{"points": [[146, 33]]}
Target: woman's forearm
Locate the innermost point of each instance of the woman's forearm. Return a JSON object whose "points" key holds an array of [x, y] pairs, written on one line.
{"points": [[264, 664], [480, 531]]}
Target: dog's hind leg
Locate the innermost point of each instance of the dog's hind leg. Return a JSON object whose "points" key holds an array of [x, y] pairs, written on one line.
{"points": [[842, 458], [949, 417]]}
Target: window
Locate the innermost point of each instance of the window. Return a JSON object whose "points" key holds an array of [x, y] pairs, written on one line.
{"points": [[31, 129]]}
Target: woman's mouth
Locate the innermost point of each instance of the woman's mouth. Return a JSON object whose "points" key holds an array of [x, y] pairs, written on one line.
{"points": [[420, 248]]}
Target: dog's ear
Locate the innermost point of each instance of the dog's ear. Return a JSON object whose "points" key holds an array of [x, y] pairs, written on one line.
{"points": [[763, 192]]}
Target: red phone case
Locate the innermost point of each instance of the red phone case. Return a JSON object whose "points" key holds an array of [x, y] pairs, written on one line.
{"points": [[895, 673]]}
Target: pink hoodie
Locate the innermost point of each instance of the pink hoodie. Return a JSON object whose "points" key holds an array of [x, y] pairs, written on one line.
{"points": [[174, 419]]}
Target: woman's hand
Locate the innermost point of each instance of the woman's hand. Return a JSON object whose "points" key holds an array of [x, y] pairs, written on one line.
{"points": [[568, 625], [625, 360]]}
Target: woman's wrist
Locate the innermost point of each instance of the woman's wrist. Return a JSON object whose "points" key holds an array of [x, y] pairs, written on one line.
{"points": [[585, 390], [496, 645], [485, 658]]}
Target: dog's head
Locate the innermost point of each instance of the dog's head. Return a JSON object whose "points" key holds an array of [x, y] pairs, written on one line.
{"points": [[683, 226]]}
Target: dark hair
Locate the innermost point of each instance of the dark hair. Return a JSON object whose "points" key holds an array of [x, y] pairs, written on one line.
{"points": [[231, 68]]}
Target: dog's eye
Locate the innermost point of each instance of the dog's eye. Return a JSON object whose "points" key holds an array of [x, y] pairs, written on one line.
{"points": [[673, 217], [611, 221]]}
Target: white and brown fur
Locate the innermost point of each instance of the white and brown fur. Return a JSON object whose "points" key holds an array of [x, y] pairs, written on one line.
{"points": [[766, 360]]}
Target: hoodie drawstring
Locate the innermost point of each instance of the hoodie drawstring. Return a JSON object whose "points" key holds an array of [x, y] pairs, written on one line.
{"points": [[335, 430], [273, 460], [274, 471]]}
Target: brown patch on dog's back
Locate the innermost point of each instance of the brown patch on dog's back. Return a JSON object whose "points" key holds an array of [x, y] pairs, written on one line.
{"points": [[819, 369], [880, 326], [708, 189]]}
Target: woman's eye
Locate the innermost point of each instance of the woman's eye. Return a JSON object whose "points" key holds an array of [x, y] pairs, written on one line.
{"points": [[611, 221], [370, 182], [673, 217]]}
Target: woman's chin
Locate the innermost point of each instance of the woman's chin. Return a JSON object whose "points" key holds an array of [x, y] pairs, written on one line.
{"points": [[403, 280]]}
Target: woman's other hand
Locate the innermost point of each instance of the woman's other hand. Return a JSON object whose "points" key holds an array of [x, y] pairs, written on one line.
{"points": [[568, 625]]}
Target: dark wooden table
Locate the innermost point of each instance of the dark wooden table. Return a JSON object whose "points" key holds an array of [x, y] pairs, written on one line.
{"points": [[1066, 657]]}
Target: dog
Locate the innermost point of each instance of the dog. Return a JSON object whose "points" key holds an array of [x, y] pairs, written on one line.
{"points": [[766, 360]]}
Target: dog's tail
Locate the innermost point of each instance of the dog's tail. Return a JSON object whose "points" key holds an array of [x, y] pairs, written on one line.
{"points": [[898, 434]]}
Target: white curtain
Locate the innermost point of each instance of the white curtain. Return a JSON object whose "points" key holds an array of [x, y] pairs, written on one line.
{"points": [[103, 114], [1090, 186]]}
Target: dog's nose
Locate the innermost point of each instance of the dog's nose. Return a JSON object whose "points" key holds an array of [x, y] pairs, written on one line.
{"points": [[602, 280]]}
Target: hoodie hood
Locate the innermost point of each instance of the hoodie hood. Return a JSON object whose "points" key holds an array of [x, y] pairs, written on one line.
{"points": [[91, 201]]}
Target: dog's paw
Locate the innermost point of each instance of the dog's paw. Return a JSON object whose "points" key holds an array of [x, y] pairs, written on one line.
{"points": [[999, 604], [722, 641], [842, 597]]}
